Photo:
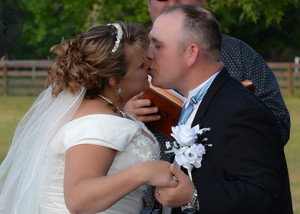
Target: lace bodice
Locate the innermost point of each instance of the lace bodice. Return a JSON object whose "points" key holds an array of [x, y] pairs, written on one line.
{"points": [[122, 134]]}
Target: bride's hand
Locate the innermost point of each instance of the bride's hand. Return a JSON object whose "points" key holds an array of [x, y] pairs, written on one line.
{"points": [[158, 174]]}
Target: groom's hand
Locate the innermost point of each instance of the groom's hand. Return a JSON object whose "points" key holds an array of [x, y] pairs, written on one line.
{"points": [[176, 196]]}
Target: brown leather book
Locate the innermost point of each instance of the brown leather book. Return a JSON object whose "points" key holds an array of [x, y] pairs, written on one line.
{"points": [[169, 104], [249, 84]]}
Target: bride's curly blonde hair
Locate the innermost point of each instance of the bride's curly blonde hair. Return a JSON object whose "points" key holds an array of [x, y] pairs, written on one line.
{"points": [[88, 61]]}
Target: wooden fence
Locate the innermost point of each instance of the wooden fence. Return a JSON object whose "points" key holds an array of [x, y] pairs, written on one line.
{"points": [[28, 77], [23, 76], [288, 76]]}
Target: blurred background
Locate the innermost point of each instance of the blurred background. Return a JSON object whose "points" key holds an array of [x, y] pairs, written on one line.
{"points": [[271, 27]]}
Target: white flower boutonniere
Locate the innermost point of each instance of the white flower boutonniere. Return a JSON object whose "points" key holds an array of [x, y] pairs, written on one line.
{"points": [[188, 153]]}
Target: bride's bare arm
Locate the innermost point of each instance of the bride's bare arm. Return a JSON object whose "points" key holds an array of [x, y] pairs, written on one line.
{"points": [[88, 189]]}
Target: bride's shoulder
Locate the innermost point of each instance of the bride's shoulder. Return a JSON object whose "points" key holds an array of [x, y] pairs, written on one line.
{"points": [[92, 107], [101, 127]]}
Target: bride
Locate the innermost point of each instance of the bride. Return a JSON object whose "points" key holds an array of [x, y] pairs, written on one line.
{"points": [[75, 150]]}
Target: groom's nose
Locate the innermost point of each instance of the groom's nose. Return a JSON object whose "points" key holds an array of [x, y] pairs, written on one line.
{"points": [[150, 54]]}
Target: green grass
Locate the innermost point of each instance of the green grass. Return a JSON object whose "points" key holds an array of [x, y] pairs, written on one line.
{"points": [[292, 150], [12, 108]]}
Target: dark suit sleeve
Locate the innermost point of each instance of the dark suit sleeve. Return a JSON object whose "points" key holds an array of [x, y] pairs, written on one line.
{"points": [[245, 170]]}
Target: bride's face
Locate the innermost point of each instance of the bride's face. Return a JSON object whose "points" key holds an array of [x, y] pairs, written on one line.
{"points": [[136, 79]]}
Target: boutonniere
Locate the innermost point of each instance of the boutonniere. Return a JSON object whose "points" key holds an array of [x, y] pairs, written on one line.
{"points": [[186, 147]]}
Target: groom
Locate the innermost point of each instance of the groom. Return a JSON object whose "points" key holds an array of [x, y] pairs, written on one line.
{"points": [[244, 171]]}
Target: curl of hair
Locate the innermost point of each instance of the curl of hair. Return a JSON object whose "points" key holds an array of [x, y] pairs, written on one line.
{"points": [[87, 61]]}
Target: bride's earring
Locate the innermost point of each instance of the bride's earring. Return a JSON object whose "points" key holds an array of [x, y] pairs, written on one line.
{"points": [[119, 91]]}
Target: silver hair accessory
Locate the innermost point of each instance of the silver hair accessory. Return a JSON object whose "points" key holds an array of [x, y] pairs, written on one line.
{"points": [[119, 36]]}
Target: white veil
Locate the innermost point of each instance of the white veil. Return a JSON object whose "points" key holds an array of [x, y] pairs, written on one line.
{"points": [[21, 169]]}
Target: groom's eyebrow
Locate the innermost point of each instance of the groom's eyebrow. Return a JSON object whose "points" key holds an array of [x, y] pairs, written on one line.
{"points": [[155, 40]]}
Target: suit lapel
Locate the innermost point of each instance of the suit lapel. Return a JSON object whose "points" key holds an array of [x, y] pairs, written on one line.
{"points": [[219, 81]]}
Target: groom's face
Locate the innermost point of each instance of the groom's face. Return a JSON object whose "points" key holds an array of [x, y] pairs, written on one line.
{"points": [[166, 51], [155, 7]]}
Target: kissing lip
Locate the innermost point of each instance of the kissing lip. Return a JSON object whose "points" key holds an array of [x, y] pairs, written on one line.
{"points": [[150, 71]]}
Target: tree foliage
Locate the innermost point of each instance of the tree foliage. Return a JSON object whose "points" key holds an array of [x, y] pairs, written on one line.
{"points": [[46, 22], [268, 11], [130, 11], [261, 23], [269, 26]]}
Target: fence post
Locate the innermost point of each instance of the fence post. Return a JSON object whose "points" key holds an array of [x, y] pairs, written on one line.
{"points": [[33, 70], [290, 79], [5, 78]]}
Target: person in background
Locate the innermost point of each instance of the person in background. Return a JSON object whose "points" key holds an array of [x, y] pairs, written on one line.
{"points": [[236, 162], [242, 63], [76, 150], [11, 24]]}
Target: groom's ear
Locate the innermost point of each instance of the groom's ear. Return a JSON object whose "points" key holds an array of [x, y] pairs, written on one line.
{"points": [[192, 54]]}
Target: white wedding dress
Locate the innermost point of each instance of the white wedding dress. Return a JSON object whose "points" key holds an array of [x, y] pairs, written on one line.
{"points": [[124, 135]]}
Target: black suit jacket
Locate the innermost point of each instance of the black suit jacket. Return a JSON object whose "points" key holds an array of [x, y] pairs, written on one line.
{"points": [[245, 169]]}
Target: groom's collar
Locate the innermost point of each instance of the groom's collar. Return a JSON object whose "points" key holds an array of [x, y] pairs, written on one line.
{"points": [[222, 77]]}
